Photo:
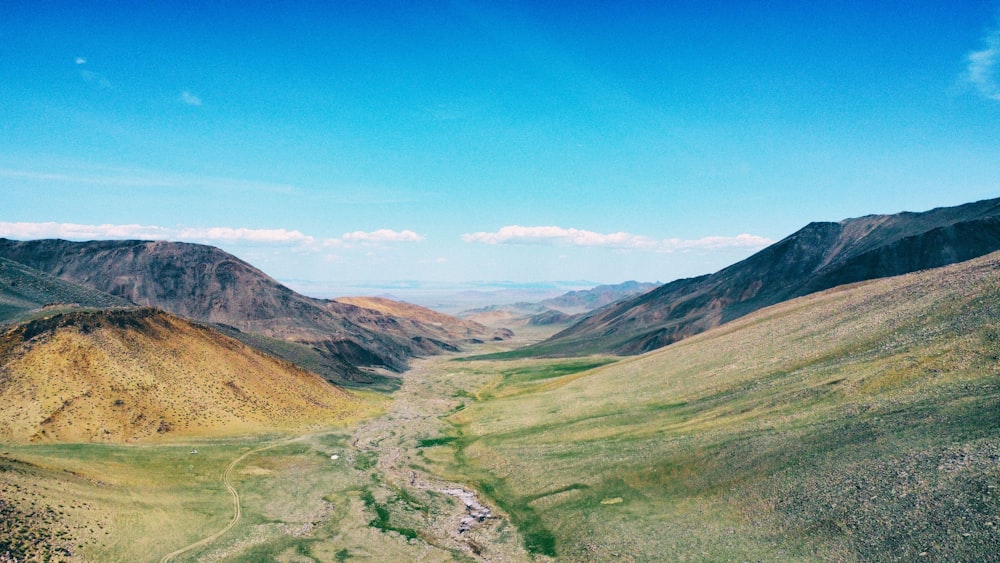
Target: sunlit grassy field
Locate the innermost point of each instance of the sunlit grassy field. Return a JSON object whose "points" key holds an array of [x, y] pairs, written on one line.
{"points": [[127, 502], [139, 503], [857, 424]]}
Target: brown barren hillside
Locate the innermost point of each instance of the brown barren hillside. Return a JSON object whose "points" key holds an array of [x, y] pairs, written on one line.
{"points": [[207, 284], [427, 320], [142, 374]]}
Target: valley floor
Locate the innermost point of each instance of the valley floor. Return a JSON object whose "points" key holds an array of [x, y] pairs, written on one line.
{"points": [[354, 493], [859, 424]]}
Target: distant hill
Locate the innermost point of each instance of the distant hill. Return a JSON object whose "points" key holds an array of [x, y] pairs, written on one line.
{"points": [[446, 327], [23, 290], [551, 317], [141, 374], [509, 315], [818, 257], [206, 284], [560, 310], [594, 298]]}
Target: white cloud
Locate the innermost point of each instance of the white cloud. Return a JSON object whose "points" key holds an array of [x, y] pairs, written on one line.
{"points": [[381, 236], [516, 234], [81, 60], [981, 68], [210, 235], [77, 231], [715, 243], [281, 236], [150, 232], [190, 99]]}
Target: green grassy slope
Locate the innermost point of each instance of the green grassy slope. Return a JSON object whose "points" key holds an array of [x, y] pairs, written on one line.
{"points": [[861, 423], [107, 502]]}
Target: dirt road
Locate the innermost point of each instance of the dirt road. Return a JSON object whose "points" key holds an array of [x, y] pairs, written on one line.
{"points": [[237, 509]]}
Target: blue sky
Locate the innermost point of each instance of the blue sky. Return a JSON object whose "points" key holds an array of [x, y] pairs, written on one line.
{"points": [[458, 141]]}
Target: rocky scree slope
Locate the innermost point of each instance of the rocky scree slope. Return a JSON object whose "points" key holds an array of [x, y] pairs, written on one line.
{"points": [[23, 291]]}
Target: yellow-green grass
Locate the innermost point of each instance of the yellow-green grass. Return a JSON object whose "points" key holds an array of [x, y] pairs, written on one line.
{"points": [[860, 423], [135, 500], [143, 502]]}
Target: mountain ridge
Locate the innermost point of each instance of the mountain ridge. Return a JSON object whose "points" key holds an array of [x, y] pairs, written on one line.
{"points": [[582, 300], [559, 310], [24, 290], [819, 256], [206, 284]]}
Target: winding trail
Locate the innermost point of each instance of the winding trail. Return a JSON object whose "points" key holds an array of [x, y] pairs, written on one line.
{"points": [[466, 523], [237, 509]]}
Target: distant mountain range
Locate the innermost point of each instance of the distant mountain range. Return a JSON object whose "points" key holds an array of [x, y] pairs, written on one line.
{"points": [[342, 339], [206, 284], [819, 256], [445, 328], [594, 298], [562, 309]]}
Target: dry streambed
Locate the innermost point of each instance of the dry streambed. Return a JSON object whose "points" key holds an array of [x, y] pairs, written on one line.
{"points": [[410, 501]]}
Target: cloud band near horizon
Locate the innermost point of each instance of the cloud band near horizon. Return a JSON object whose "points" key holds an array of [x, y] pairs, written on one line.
{"points": [[517, 234], [512, 234], [74, 231]]}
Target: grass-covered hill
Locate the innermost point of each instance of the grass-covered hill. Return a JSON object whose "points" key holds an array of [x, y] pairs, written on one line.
{"points": [[206, 284], [23, 291], [125, 375], [818, 257], [861, 423]]}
